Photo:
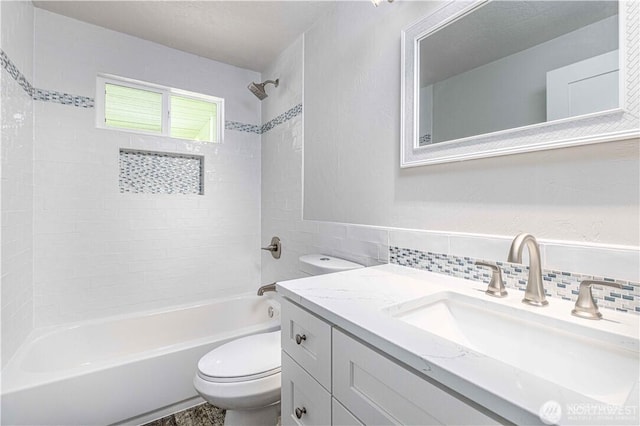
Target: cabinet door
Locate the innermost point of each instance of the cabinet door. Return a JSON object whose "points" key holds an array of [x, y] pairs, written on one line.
{"points": [[584, 87], [307, 339], [304, 401], [340, 416], [379, 391]]}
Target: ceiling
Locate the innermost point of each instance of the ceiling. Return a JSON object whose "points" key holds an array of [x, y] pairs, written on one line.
{"points": [[247, 34]]}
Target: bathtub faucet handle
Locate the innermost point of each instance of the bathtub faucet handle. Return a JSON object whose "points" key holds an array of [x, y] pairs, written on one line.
{"points": [[275, 248]]}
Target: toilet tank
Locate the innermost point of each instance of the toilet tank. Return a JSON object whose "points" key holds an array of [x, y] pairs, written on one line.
{"points": [[318, 264]]}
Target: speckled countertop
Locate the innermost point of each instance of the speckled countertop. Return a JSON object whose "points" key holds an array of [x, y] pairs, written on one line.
{"points": [[362, 302]]}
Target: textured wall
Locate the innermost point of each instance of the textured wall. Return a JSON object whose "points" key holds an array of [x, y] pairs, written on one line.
{"points": [[101, 252], [351, 145], [17, 178]]}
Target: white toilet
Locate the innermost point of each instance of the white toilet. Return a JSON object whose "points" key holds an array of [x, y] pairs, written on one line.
{"points": [[243, 376]]}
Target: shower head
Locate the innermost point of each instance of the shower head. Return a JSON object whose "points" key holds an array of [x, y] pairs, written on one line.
{"points": [[258, 88]]}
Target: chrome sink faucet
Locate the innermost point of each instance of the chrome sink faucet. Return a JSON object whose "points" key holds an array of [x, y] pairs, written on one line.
{"points": [[534, 293]]}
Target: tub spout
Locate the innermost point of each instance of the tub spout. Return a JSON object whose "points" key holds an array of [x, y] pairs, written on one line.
{"points": [[268, 287]]}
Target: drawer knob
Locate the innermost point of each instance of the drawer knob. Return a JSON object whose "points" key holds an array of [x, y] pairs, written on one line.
{"points": [[300, 412], [299, 340]]}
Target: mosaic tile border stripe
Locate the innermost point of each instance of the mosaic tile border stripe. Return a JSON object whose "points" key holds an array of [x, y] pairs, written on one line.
{"points": [[15, 73], [556, 283], [282, 118], [242, 127], [62, 98], [253, 128], [89, 102], [41, 94]]}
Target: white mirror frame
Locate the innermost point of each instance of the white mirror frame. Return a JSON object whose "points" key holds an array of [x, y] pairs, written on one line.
{"points": [[616, 124]]}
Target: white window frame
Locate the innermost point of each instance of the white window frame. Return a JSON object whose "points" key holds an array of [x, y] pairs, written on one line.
{"points": [[166, 92]]}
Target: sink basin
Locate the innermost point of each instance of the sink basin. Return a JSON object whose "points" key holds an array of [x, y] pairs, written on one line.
{"points": [[598, 364]]}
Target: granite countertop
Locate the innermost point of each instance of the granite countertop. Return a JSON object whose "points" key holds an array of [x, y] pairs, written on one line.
{"points": [[362, 302]]}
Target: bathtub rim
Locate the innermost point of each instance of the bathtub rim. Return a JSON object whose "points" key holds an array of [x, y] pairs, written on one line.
{"points": [[14, 379]]}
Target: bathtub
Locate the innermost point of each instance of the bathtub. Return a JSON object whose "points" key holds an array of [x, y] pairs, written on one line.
{"points": [[125, 369]]}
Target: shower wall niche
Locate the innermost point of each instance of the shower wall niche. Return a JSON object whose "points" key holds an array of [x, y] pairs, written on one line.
{"points": [[150, 172]]}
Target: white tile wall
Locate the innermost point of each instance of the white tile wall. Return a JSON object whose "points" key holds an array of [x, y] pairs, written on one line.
{"points": [[17, 179], [282, 188], [101, 252]]}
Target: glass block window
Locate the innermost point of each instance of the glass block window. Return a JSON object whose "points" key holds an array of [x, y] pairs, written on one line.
{"points": [[141, 107]]}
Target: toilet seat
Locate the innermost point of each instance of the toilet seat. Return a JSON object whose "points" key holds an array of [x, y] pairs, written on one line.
{"points": [[241, 360]]}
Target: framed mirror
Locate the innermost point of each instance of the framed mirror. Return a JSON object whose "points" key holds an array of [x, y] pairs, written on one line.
{"points": [[488, 78]]}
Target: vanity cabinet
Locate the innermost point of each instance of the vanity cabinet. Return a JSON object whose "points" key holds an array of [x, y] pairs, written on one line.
{"points": [[364, 386], [306, 367], [302, 396], [307, 339]]}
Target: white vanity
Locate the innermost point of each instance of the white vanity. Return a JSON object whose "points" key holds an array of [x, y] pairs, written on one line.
{"points": [[395, 345]]}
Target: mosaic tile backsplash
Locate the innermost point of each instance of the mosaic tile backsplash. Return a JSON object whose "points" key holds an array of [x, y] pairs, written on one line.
{"points": [[556, 283], [160, 173]]}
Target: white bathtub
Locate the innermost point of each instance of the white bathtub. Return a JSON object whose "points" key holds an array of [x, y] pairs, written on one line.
{"points": [[128, 369]]}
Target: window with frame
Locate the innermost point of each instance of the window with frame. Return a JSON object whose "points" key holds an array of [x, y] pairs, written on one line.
{"points": [[135, 106]]}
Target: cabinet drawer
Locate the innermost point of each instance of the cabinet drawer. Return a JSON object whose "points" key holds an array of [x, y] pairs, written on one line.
{"points": [[340, 416], [307, 339], [301, 392], [379, 391]]}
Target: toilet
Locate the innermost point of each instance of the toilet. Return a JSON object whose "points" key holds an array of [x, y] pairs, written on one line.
{"points": [[243, 376]]}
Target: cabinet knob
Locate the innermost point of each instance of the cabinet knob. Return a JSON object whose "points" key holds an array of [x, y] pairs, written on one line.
{"points": [[300, 338], [300, 412]]}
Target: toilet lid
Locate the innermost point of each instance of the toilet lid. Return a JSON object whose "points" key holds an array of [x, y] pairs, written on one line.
{"points": [[243, 359]]}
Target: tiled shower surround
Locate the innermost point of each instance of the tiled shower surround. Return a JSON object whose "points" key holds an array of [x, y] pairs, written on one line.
{"points": [[556, 283]]}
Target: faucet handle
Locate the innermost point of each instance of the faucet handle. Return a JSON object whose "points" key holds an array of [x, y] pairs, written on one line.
{"points": [[496, 286], [586, 305], [275, 248]]}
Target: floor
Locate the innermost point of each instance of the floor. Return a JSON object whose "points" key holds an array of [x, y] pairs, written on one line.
{"points": [[200, 415]]}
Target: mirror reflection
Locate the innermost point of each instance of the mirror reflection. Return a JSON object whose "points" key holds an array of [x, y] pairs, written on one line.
{"points": [[510, 64]]}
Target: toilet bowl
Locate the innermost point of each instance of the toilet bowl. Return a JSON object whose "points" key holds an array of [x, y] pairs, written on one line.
{"points": [[243, 376]]}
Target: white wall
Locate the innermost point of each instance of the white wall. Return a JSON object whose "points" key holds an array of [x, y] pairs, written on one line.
{"points": [[585, 194], [99, 252], [16, 24]]}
